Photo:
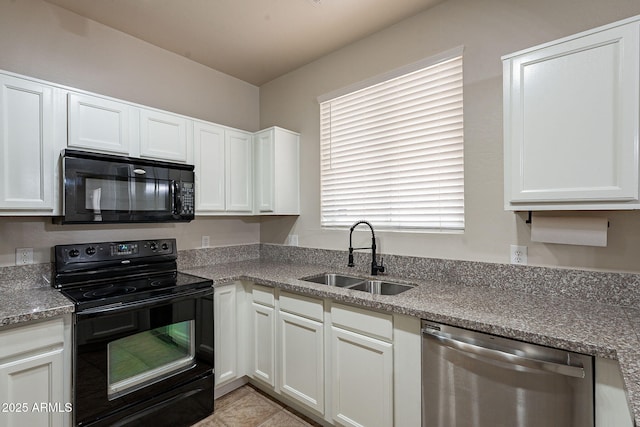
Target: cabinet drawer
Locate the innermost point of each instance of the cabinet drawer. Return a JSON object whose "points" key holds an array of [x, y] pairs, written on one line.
{"points": [[304, 306], [31, 336], [372, 323], [263, 295]]}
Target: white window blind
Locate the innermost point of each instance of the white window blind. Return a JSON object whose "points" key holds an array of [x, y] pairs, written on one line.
{"points": [[392, 153]]}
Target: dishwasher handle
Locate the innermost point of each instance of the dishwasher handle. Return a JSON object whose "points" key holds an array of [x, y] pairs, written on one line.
{"points": [[502, 356]]}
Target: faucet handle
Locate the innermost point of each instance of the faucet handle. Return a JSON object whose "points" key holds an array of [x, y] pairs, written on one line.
{"points": [[380, 266]]}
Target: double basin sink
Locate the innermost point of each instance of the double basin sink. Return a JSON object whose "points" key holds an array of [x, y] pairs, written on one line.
{"points": [[379, 287]]}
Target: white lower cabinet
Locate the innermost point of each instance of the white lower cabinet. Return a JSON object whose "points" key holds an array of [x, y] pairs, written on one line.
{"points": [[612, 409], [263, 337], [362, 366], [301, 372], [339, 364], [225, 332], [35, 374]]}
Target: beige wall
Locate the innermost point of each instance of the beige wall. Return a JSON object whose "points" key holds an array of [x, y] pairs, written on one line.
{"points": [[487, 29], [44, 41]]}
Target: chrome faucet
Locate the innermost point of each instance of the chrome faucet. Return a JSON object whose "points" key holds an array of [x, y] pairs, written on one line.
{"points": [[375, 268]]}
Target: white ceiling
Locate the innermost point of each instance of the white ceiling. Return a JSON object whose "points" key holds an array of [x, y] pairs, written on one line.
{"points": [[253, 40]]}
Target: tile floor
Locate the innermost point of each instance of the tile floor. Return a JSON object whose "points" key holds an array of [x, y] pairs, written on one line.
{"points": [[249, 407]]}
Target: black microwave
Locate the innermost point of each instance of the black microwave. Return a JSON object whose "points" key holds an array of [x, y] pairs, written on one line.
{"points": [[102, 188]]}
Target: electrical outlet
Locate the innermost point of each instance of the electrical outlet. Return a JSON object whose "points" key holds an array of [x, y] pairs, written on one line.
{"points": [[24, 256], [293, 240], [205, 241], [518, 255]]}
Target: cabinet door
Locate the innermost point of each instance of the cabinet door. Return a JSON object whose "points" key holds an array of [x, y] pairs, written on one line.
{"points": [[35, 373], [301, 360], [362, 378], [27, 143], [35, 382], [277, 183], [209, 156], [226, 334], [286, 172], [239, 171], [163, 136], [571, 120], [263, 340], [98, 124], [264, 187]]}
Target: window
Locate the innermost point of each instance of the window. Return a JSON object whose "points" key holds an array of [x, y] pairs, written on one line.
{"points": [[392, 149]]}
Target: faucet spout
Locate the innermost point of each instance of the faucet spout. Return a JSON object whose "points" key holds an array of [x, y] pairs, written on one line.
{"points": [[375, 267]]}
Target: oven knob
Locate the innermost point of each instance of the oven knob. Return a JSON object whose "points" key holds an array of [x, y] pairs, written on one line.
{"points": [[90, 251], [74, 253], [153, 246], [165, 246]]}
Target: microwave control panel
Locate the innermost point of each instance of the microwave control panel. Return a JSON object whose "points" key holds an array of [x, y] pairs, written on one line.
{"points": [[187, 194]]}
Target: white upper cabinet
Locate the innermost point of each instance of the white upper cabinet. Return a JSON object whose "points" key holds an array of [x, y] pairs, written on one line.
{"points": [[223, 168], [209, 159], [239, 171], [98, 124], [32, 133], [163, 136], [277, 166], [111, 126], [571, 122]]}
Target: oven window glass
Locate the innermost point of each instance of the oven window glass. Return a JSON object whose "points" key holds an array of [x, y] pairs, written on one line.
{"points": [[110, 194], [146, 357]]}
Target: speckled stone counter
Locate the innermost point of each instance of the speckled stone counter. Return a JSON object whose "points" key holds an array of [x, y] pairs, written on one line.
{"points": [[25, 304], [26, 294], [598, 329]]}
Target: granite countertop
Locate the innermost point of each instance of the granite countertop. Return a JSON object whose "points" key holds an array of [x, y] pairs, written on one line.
{"points": [[19, 305], [598, 329], [586, 327]]}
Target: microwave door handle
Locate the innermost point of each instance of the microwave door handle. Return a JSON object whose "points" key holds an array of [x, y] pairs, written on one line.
{"points": [[175, 198]]}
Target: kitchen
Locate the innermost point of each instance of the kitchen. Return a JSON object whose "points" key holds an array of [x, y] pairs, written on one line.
{"points": [[44, 41]]}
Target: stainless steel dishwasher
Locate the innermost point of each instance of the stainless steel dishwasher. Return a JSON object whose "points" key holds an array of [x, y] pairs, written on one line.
{"points": [[471, 379]]}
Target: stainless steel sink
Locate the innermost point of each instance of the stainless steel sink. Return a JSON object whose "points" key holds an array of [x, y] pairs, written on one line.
{"points": [[333, 279], [379, 287]]}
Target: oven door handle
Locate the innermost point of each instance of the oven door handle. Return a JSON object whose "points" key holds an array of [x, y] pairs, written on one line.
{"points": [[146, 303], [505, 357]]}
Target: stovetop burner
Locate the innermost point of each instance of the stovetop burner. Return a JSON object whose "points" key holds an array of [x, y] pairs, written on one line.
{"points": [[108, 291], [101, 274]]}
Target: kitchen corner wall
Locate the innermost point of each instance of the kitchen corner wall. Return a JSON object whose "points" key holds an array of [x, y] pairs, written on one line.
{"points": [[487, 29], [42, 40]]}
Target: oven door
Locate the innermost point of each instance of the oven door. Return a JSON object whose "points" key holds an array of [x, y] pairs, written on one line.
{"points": [[146, 362], [114, 190]]}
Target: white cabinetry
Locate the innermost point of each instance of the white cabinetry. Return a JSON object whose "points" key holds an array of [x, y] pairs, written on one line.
{"points": [[35, 374], [263, 337], [163, 135], [571, 122], [277, 184], [225, 334], [209, 156], [98, 124], [362, 367], [223, 159], [239, 171], [612, 409], [112, 126], [301, 349], [32, 133]]}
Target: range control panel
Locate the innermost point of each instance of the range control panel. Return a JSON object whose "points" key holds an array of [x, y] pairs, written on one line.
{"points": [[106, 251]]}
